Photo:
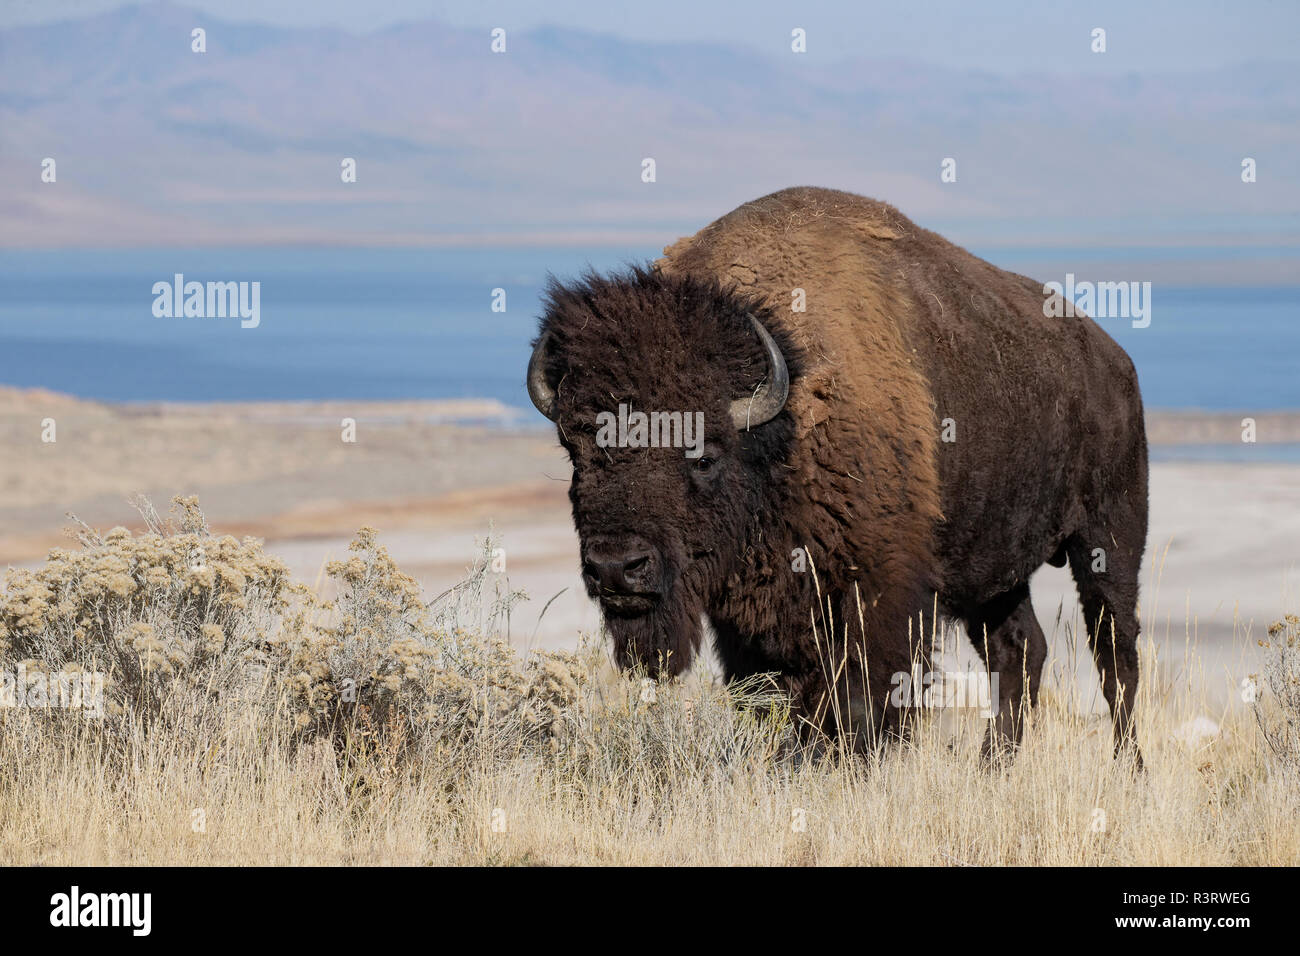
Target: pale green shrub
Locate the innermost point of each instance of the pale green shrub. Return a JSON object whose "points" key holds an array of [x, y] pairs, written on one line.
{"points": [[1281, 726]]}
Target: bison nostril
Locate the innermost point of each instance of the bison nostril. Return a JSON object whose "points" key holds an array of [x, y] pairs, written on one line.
{"points": [[635, 564]]}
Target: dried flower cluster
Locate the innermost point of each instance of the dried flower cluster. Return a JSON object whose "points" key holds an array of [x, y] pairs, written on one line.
{"points": [[175, 606], [177, 612]]}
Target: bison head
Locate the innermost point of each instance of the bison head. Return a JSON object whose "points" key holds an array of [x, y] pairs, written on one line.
{"points": [[668, 393]]}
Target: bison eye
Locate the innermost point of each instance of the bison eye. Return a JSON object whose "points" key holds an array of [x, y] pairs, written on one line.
{"points": [[704, 471]]}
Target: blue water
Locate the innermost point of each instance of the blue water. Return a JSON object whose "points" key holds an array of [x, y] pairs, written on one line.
{"points": [[335, 323], [381, 323]]}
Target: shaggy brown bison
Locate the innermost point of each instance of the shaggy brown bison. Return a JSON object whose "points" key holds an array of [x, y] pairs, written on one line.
{"points": [[874, 398]]}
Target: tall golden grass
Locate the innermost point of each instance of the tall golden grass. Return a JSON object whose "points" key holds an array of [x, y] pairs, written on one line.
{"points": [[249, 721]]}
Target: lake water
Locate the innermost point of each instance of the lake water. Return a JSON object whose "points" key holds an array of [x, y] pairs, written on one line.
{"points": [[384, 324]]}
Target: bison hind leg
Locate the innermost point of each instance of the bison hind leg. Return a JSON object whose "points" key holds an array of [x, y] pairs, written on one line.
{"points": [[1105, 567], [1008, 638]]}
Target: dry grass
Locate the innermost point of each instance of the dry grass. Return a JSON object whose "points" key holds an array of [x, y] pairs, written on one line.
{"points": [[249, 722]]}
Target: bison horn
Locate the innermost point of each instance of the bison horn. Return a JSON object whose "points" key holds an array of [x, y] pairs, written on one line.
{"points": [[539, 390], [769, 398]]}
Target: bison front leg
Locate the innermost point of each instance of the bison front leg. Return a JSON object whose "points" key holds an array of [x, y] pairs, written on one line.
{"points": [[863, 698], [1007, 636]]}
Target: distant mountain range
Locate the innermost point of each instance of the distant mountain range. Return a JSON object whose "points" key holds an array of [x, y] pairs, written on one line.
{"points": [[157, 145]]}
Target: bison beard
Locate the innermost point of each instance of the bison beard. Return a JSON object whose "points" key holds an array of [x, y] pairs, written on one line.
{"points": [[822, 440], [663, 640]]}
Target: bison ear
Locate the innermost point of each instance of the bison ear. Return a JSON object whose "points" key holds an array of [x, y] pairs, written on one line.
{"points": [[539, 390], [767, 400]]}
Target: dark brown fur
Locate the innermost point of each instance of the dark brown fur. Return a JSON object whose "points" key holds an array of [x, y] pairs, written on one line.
{"points": [[902, 331]]}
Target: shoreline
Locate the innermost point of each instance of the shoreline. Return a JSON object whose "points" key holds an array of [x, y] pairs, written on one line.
{"points": [[1165, 426]]}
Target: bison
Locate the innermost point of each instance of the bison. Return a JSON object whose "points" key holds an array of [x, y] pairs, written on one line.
{"points": [[901, 413]]}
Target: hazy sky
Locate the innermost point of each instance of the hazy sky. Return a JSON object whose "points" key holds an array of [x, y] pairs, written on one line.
{"points": [[996, 35]]}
